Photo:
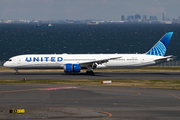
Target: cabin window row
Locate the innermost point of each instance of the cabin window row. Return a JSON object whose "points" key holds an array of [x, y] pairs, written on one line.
{"points": [[132, 59]]}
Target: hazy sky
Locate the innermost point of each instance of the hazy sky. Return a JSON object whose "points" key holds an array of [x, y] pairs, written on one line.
{"points": [[86, 9]]}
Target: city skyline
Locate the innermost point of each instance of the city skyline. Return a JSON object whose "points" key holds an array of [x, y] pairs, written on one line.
{"points": [[86, 9], [129, 19]]}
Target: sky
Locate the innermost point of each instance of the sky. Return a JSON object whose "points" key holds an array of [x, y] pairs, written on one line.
{"points": [[86, 9]]}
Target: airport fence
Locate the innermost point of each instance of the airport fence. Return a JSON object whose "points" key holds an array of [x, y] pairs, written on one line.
{"points": [[170, 63]]}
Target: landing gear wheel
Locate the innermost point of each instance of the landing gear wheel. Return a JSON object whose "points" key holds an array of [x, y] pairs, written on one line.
{"points": [[90, 72], [16, 73]]}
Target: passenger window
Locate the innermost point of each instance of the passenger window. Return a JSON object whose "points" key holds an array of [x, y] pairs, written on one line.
{"points": [[10, 59]]}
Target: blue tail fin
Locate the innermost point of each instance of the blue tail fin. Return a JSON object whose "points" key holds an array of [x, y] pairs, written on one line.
{"points": [[160, 47]]}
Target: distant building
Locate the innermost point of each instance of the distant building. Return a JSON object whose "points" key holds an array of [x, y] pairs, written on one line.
{"points": [[123, 17], [130, 18], [153, 18], [144, 18], [167, 22], [36, 21], [8, 21], [137, 16], [22, 21], [28, 21], [164, 16]]}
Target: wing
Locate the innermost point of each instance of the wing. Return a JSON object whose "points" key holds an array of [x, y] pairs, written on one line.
{"points": [[100, 61]]}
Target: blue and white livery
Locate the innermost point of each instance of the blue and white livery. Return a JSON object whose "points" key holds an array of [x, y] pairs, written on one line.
{"points": [[160, 47], [73, 63]]}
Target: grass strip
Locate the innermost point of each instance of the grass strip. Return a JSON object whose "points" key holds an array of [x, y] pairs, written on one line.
{"points": [[135, 83]]}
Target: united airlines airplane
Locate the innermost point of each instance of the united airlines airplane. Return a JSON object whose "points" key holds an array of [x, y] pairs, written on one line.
{"points": [[73, 63]]}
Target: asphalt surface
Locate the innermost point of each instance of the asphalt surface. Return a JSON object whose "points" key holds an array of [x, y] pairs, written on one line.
{"points": [[98, 75], [54, 102]]}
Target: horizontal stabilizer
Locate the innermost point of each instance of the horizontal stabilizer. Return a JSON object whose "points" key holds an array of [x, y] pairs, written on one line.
{"points": [[165, 59]]}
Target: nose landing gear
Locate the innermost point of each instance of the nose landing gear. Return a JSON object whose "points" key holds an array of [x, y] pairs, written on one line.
{"points": [[16, 73]]}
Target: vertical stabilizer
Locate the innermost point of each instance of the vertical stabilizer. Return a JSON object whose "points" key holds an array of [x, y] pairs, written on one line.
{"points": [[160, 47]]}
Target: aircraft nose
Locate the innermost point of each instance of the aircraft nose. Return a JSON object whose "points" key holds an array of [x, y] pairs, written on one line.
{"points": [[5, 64]]}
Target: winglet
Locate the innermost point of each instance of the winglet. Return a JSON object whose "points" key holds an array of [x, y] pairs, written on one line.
{"points": [[160, 47]]}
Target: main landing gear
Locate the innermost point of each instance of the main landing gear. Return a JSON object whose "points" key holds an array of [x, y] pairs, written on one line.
{"points": [[89, 70], [16, 73]]}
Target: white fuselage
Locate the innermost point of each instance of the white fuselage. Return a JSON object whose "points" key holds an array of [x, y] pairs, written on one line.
{"points": [[57, 61]]}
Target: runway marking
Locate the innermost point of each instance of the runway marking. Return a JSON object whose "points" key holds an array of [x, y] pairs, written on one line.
{"points": [[109, 114], [104, 113], [68, 87], [56, 88], [16, 91], [175, 96]]}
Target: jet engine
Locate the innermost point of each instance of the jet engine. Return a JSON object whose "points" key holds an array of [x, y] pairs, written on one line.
{"points": [[94, 66], [69, 68]]}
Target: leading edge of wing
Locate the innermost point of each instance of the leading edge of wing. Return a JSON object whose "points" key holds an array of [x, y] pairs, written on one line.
{"points": [[100, 61]]}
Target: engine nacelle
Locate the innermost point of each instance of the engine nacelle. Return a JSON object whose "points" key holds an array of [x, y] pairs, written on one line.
{"points": [[94, 66], [69, 68]]}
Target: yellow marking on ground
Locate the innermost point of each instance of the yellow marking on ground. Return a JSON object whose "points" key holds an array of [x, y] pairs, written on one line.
{"points": [[102, 112], [109, 114]]}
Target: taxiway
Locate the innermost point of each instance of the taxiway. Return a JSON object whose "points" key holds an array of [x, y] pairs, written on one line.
{"points": [[82, 102]]}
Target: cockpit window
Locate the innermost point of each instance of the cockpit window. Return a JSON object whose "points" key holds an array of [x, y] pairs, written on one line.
{"points": [[10, 60]]}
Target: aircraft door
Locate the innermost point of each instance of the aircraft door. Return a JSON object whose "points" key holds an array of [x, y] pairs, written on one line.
{"points": [[143, 59]]}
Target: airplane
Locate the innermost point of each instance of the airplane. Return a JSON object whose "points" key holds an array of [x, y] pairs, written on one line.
{"points": [[73, 63]]}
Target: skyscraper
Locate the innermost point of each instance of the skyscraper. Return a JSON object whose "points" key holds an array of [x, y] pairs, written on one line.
{"points": [[123, 17], [137, 16], [164, 16], [130, 18], [144, 18], [153, 17]]}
